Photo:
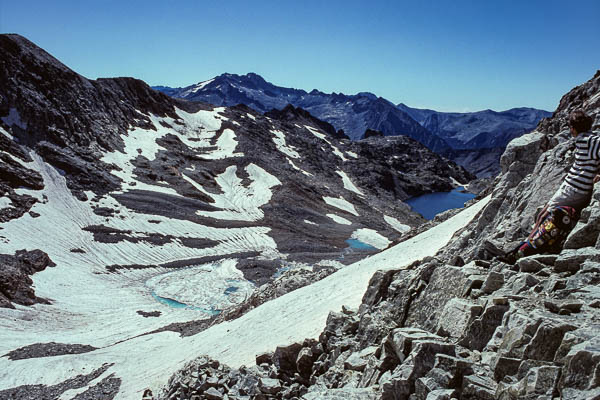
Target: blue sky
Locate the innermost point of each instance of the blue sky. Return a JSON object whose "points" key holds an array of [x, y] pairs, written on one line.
{"points": [[446, 55]]}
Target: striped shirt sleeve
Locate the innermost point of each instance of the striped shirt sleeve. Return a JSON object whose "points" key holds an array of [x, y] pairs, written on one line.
{"points": [[594, 147]]}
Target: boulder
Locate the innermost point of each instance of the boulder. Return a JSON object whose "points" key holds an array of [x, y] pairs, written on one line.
{"points": [[269, 386], [458, 314], [570, 260]]}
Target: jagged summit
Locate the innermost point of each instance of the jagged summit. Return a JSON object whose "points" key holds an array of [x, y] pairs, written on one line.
{"points": [[351, 113]]}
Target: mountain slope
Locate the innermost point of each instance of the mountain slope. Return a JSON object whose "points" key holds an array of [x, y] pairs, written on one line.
{"points": [[353, 114], [153, 213], [475, 130]]}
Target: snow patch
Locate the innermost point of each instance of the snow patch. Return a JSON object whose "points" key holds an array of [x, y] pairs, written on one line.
{"points": [[397, 225], [239, 203], [352, 154], [309, 222], [322, 136], [371, 237], [290, 318], [339, 220], [5, 133], [299, 169], [279, 140], [348, 185], [5, 202], [341, 203]]}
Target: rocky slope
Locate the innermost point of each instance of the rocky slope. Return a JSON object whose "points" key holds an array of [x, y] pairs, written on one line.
{"points": [[461, 324]]}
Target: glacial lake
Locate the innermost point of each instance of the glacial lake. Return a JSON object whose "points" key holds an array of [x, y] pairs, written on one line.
{"points": [[429, 205]]}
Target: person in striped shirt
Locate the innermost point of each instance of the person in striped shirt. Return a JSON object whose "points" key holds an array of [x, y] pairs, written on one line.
{"points": [[559, 215]]}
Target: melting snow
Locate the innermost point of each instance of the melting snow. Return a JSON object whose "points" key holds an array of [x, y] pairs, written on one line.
{"points": [[205, 287], [339, 220], [371, 237], [397, 225], [149, 360], [279, 140], [239, 203], [341, 203], [348, 185]]}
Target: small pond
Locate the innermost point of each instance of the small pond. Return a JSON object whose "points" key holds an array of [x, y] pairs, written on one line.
{"points": [[358, 245], [175, 304], [429, 205]]}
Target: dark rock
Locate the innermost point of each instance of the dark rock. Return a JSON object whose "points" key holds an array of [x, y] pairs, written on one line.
{"points": [[264, 358], [48, 350], [480, 331], [15, 281], [147, 314], [504, 366], [571, 260], [284, 358]]}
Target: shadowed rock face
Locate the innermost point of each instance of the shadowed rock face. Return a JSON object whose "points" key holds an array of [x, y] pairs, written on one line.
{"points": [[15, 281], [460, 324]]}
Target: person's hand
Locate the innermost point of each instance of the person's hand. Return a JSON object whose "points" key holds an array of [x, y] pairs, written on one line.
{"points": [[597, 178]]}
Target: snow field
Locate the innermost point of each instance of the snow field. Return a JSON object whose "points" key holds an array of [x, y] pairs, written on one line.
{"points": [[339, 220], [148, 361], [340, 203], [397, 225], [239, 203], [348, 185], [371, 237]]}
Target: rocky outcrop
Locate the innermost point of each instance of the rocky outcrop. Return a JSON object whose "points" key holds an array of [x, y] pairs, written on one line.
{"points": [[296, 114], [435, 330], [15, 282]]}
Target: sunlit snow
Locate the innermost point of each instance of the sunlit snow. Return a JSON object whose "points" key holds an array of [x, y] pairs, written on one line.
{"points": [[341, 203], [397, 225], [348, 184]]}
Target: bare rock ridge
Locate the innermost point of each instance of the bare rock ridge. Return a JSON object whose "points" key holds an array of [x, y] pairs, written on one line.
{"points": [[460, 325]]}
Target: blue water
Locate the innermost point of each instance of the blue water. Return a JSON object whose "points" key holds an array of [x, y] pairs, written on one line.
{"points": [[231, 289], [358, 245], [429, 205], [176, 304]]}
